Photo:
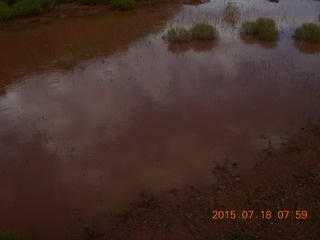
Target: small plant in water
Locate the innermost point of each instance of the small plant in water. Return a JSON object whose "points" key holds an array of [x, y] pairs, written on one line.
{"points": [[179, 35], [203, 31], [308, 32], [230, 10], [231, 13], [263, 28], [68, 60], [122, 4], [11, 235]]}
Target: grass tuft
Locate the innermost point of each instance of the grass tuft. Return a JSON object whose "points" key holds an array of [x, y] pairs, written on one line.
{"points": [[230, 10], [262, 28], [122, 4], [8, 2], [308, 32], [11, 235], [68, 60], [179, 35], [203, 31], [249, 28], [5, 11], [30, 7]]}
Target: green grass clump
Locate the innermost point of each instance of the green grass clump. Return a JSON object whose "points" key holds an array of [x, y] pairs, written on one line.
{"points": [[9, 2], [11, 235], [249, 28], [308, 32], [27, 8], [203, 31], [30, 7], [122, 4], [179, 35], [5, 11], [263, 28]]}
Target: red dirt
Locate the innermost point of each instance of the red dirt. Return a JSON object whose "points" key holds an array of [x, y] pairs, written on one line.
{"points": [[76, 10], [285, 180]]}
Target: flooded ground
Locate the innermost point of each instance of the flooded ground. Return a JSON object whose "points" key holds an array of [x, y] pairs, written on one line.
{"points": [[96, 110]]}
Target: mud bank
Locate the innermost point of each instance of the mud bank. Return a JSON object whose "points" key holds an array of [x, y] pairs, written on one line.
{"points": [[78, 10], [280, 200]]}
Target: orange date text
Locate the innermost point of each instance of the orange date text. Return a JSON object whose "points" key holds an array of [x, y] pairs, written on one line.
{"points": [[266, 214]]}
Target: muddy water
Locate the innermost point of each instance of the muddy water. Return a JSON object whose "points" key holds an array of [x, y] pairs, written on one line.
{"points": [[89, 120]]}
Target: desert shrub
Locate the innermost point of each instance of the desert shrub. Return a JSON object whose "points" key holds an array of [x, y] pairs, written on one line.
{"points": [[308, 32], [263, 28], [5, 11], [249, 28], [11, 235], [267, 29], [27, 7], [122, 4], [8, 2], [30, 7], [203, 31], [179, 35]]}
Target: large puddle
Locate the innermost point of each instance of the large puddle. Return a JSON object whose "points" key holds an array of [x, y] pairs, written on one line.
{"points": [[94, 111]]}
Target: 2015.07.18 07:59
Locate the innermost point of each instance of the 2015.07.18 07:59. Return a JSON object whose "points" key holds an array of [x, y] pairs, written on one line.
{"points": [[265, 214]]}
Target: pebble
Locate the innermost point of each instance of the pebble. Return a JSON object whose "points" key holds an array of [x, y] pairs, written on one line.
{"points": [[189, 216]]}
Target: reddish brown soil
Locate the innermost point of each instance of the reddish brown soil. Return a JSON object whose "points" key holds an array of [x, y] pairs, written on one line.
{"points": [[75, 10], [286, 180]]}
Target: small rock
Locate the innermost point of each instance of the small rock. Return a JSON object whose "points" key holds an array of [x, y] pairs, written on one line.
{"points": [[222, 187], [238, 179], [189, 216]]}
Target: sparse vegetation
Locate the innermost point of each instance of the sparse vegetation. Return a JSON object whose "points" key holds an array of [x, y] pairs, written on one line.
{"points": [[231, 13], [178, 35], [11, 8], [30, 7], [249, 28], [68, 60], [8, 2], [262, 28], [199, 31], [308, 32], [11, 235], [230, 10], [5, 11], [203, 31], [17, 8], [122, 4]]}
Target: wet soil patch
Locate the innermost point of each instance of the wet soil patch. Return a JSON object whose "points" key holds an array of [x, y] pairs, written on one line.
{"points": [[286, 185]]}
